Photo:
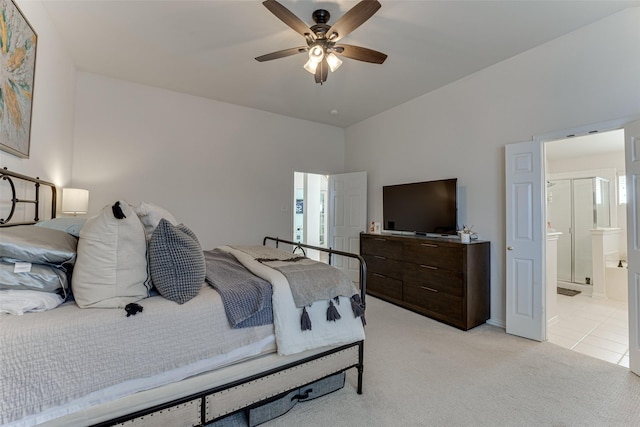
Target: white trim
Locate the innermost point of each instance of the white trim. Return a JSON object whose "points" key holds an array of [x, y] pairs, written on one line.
{"points": [[584, 129]]}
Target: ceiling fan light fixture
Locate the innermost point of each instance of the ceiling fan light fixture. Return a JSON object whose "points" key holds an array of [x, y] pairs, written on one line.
{"points": [[311, 66], [316, 53], [322, 38], [334, 62]]}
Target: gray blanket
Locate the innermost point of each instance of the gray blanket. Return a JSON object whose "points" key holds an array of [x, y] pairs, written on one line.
{"points": [[246, 297], [310, 281]]}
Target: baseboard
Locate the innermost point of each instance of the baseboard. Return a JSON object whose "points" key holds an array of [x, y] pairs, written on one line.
{"points": [[498, 323]]}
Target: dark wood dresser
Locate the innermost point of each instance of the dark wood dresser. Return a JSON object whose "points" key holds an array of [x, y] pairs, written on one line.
{"points": [[439, 277]]}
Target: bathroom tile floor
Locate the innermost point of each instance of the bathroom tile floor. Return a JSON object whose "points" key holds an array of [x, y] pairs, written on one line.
{"points": [[597, 328]]}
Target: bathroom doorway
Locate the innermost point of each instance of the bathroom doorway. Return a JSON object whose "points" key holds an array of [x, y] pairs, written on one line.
{"points": [[585, 177]]}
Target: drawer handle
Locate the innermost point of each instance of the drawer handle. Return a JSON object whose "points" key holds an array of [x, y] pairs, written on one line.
{"points": [[379, 239], [430, 267], [379, 257], [430, 245], [429, 289], [379, 275]]}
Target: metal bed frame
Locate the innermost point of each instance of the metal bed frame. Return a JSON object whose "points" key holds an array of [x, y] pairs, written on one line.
{"points": [[331, 252], [7, 175], [205, 398]]}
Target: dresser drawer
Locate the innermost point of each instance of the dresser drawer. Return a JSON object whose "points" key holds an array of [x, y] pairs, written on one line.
{"points": [[438, 279], [438, 305], [434, 254], [381, 246], [384, 266], [383, 286]]}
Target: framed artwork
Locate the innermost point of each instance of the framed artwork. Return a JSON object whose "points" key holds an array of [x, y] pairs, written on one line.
{"points": [[17, 73]]}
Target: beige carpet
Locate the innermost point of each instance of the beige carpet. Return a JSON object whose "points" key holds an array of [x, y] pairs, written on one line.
{"points": [[419, 372]]}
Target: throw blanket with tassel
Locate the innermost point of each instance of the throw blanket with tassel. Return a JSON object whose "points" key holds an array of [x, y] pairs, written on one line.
{"points": [[245, 296], [310, 281], [290, 339]]}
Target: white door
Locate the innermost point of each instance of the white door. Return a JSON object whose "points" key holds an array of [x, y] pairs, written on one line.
{"points": [[632, 156], [347, 217], [525, 239]]}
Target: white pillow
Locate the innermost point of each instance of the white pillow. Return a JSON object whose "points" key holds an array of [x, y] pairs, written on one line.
{"points": [[111, 264], [150, 215]]}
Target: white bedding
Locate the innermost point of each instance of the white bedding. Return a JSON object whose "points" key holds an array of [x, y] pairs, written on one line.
{"points": [[20, 301], [290, 339], [67, 359], [60, 361]]}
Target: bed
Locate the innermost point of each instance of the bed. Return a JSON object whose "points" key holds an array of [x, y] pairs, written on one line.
{"points": [[167, 359]]}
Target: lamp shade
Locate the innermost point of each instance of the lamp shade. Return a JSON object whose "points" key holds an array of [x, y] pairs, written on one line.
{"points": [[75, 200], [311, 66], [334, 62]]}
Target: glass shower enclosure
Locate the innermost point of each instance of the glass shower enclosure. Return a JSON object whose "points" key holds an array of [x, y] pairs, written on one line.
{"points": [[574, 207]]}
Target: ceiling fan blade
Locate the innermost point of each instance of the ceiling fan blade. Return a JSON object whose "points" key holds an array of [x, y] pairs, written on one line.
{"points": [[286, 16], [351, 20], [360, 53], [322, 72], [281, 54]]}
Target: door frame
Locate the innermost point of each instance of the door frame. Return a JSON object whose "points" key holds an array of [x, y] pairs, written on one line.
{"points": [[330, 212], [632, 166], [571, 132]]}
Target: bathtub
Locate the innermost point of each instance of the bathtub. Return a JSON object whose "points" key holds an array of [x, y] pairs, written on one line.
{"points": [[616, 281]]}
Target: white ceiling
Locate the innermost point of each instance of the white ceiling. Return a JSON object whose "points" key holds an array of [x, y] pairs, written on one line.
{"points": [[207, 48]]}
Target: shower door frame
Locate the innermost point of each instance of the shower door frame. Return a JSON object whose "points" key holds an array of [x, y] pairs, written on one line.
{"points": [[608, 174]]}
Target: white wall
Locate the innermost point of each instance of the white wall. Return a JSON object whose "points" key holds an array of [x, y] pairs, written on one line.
{"points": [[53, 106], [223, 170], [613, 160], [589, 76]]}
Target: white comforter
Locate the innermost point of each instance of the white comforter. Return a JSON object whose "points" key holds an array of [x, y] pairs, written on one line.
{"points": [[290, 338], [66, 359]]}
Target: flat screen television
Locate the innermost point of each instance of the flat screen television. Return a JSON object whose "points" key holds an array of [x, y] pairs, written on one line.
{"points": [[421, 207]]}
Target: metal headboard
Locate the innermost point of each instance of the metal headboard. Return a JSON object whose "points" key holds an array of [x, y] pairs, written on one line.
{"points": [[9, 176]]}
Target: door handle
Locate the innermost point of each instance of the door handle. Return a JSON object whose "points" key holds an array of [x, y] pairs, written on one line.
{"points": [[509, 248]]}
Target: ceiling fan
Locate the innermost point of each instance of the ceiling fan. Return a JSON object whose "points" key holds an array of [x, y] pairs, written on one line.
{"points": [[321, 38]]}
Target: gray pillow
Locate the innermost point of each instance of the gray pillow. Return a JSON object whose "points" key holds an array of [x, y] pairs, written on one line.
{"points": [[176, 262], [36, 258], [38, 277], [38, 245], [71, 225]]}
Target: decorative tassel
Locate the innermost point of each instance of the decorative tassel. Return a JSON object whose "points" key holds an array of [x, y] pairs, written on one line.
{"points": [[133, 308], [332, 313], [117, 211], [358, 308], [337, 299], [305, 321]]}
